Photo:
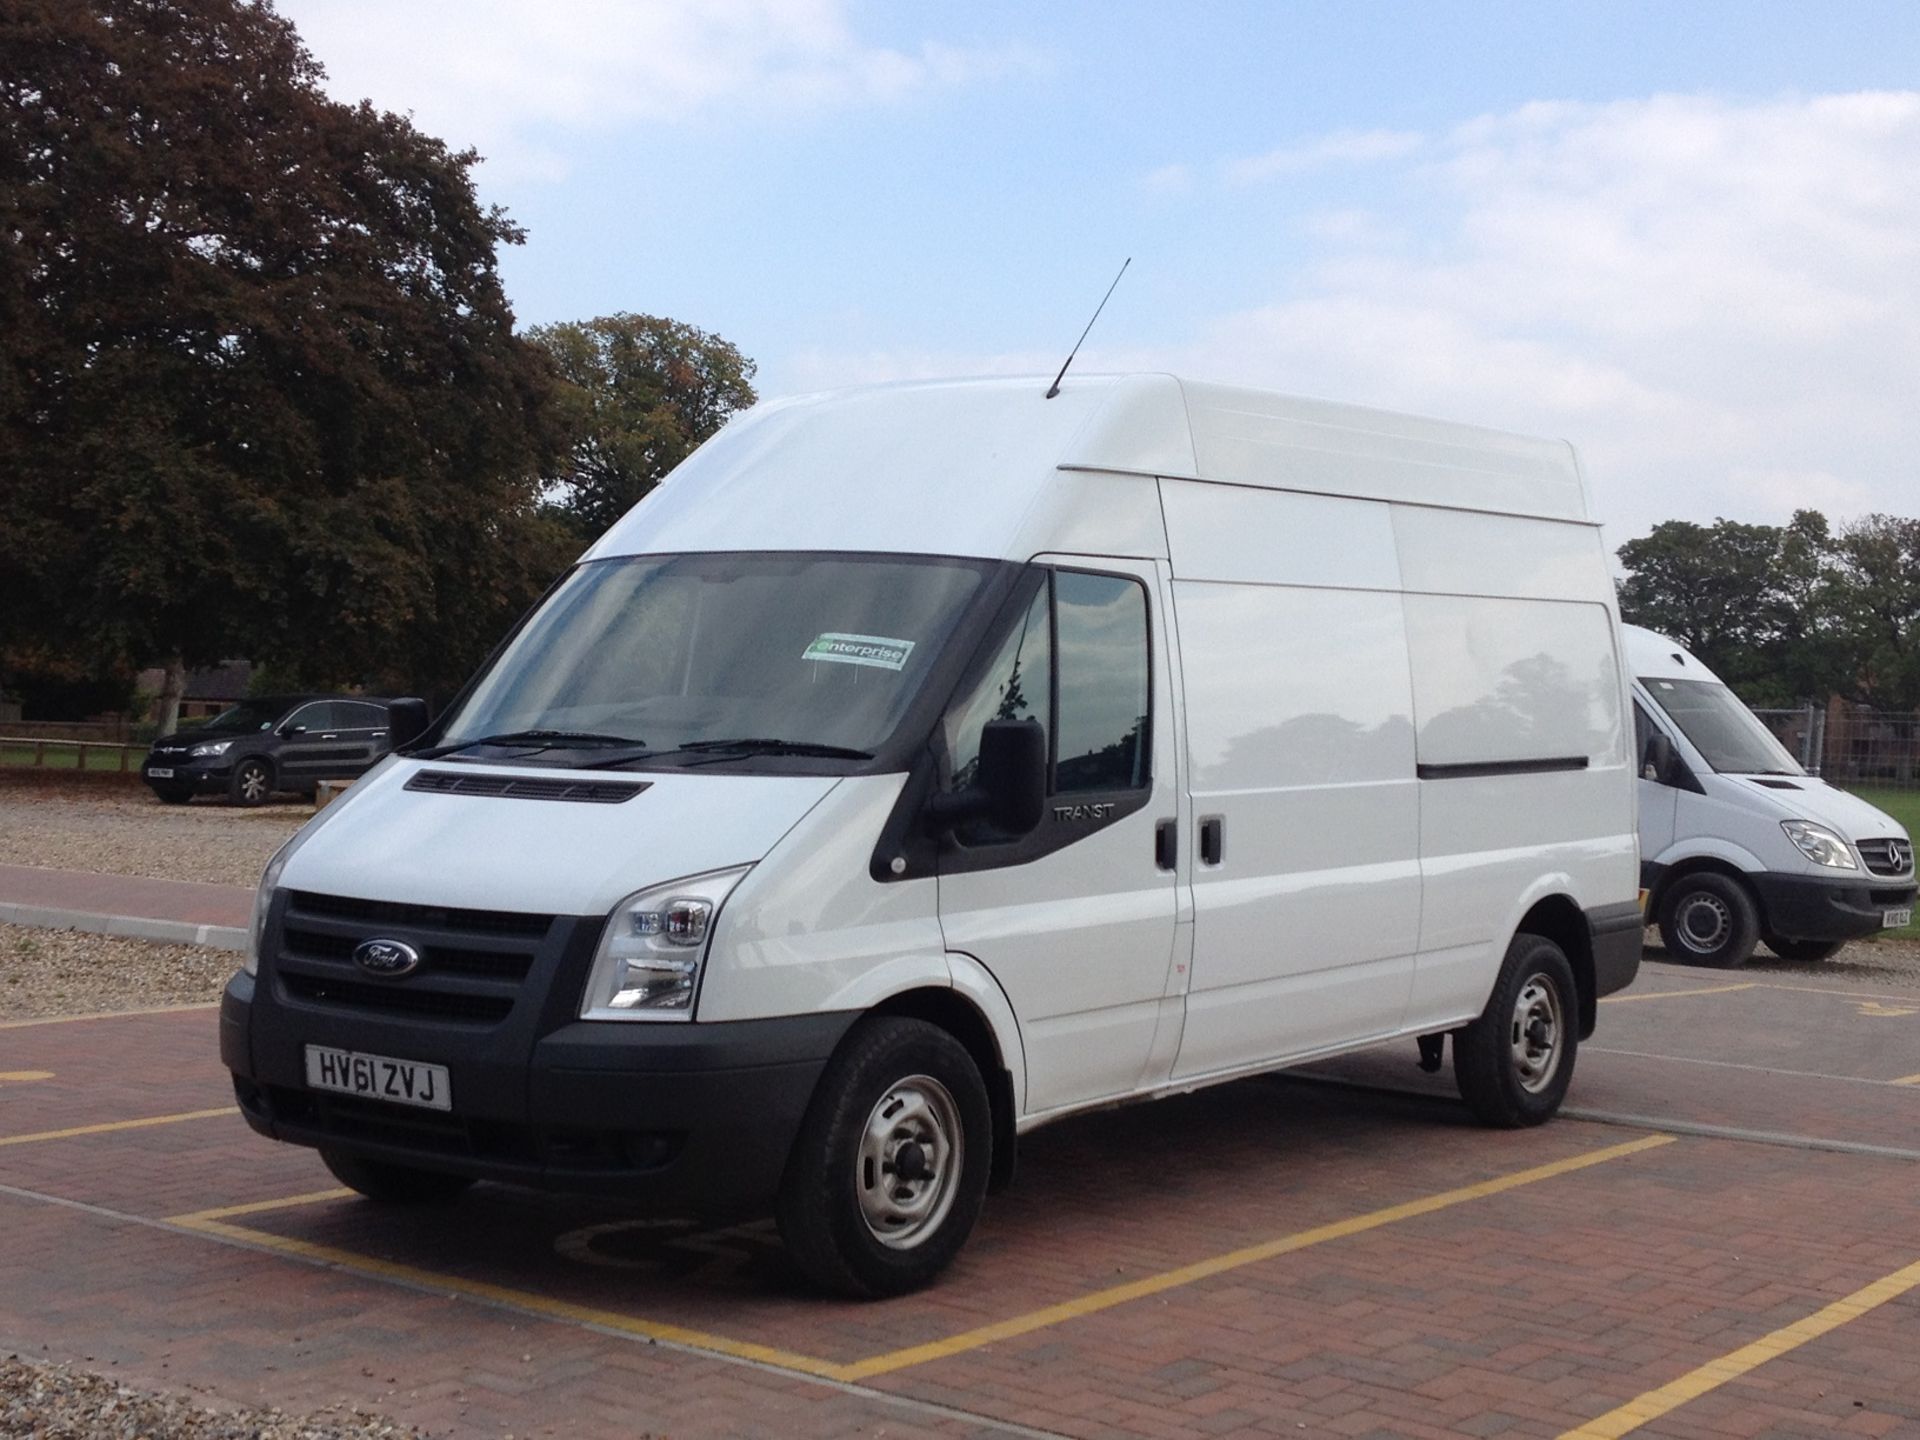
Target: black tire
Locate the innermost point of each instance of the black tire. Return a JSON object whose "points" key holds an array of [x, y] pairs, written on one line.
{"points": [[252, 783], [1709, 919], [940, 1125], [173, 794], [1803, 949], [1514, 1063], [395, 1184]]}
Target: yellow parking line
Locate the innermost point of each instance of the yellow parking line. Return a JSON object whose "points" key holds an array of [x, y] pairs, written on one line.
{"points": [[518, 1299], [23, 1077], [1715, 1373], [1676, 994], [116, 1125], [1234, 1260], [214, 1223], [286, 1202], [1906, 1080], [105, 1015]]}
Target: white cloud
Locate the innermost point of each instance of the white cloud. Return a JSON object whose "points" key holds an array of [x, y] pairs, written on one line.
{"points": [[1718, 301], [1167, 180], [504, 75], [1342, 148]]}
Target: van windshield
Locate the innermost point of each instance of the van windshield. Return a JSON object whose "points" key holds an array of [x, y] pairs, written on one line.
{"points": [[820, 652], [1723, 730]]}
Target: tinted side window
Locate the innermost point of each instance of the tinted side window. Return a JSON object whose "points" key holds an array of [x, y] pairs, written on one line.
{"points": [[1102, 709], [316, 717], [357, 715]]}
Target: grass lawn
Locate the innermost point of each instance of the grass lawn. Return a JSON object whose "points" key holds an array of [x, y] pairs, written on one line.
{"points": [[65, 757], [1904, 806]]}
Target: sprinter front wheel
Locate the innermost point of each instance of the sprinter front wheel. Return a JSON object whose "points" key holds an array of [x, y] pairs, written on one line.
{"points": [[1709, 919], [1514, 1063], [890, 1166]]}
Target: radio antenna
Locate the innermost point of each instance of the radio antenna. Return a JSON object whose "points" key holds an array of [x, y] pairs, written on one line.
{"points": [[1054, 389]]}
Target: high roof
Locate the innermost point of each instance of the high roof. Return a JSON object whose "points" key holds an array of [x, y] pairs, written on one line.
{"points": [[972, 467]]}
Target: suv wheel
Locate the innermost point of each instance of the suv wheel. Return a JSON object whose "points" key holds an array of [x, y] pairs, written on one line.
{"points": [[252, 783]]}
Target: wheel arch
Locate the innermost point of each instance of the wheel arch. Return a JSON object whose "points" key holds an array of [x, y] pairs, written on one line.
{"points": [[1559, 918], [1702, 865], [956, 1014]]}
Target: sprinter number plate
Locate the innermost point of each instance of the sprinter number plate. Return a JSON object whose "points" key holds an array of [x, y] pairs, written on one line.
{"points": [[1894, 919], [377, 1077]]}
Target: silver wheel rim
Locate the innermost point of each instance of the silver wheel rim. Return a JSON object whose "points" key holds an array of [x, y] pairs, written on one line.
{"points": [[253, 783], [908, 1169], [1535, 1034], [1704, 922]]}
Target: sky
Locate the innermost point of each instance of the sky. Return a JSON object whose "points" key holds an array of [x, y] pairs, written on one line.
{"points": [[1685, 237]]}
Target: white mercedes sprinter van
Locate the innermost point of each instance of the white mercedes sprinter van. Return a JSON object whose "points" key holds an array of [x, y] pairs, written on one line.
{"points": [[1738, 844], [922, 764]]}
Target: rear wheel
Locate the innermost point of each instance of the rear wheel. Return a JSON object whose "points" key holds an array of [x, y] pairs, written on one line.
{"points": [[890, 1166], [395, 1184], [1514, 1063], [1804, 949], [1709, 919], [252, 783]]}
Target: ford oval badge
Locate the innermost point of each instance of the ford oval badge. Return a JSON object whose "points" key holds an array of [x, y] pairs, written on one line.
{"points": [[386, 958]]}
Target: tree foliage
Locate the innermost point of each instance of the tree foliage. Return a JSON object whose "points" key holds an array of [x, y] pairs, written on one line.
{"points": [[642, 393], [259, 388], [1787, 613]]}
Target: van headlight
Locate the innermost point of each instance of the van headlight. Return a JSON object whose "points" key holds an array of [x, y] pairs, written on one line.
{"points": [[263, 902], [1819, 844], [648, 964]]}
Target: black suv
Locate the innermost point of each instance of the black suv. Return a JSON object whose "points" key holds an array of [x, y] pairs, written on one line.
{"points": [[277, 742]]}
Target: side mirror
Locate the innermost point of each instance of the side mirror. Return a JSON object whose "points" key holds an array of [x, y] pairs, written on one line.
{"points": [[1659, 760], [407, 721], [291, 730], [1011, 791]]}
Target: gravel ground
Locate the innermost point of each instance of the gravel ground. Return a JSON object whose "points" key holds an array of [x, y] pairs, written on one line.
{"points": [[58, 972], [1868, 964], [40, 1401], [123, 830]]}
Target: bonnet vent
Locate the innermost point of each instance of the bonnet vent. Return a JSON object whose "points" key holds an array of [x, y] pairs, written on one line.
{"points": [[1777, 784], [522, 787]]}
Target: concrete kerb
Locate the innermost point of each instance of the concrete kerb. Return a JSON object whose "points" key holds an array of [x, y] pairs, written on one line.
{"points": [[134, 927]]}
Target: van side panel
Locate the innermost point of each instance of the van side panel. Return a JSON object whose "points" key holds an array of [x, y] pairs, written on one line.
{"points": [[1300, 740], [1522, 744]]}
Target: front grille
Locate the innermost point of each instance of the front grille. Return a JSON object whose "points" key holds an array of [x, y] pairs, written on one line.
{"points": [[1887, 856], [473, 966], [521, 787]]}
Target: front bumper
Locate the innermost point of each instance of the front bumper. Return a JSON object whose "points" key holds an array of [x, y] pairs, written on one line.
{"points": [[202, 776], [1801, 907], [693, 1118]]}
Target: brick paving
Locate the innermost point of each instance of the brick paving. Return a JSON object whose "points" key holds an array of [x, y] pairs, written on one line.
{"points": [[1523, 1313]]}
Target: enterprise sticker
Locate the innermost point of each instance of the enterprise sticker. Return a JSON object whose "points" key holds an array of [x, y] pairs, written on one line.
{"points": [[875, 650]]}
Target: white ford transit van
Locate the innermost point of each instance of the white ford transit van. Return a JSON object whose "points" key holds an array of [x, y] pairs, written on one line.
{"points": [[1738, 843], [919, 765]]}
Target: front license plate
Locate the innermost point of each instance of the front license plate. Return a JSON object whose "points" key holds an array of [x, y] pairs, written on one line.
{"points": [[159, 774], [1894, 919], [378, 1077]]}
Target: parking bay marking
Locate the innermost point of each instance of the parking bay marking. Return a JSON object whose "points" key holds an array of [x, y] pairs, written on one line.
{"points": [[106, 1015], [1717, 1372], [108, 1126], [1677, 994], [215, 1223], [23, 1077]]}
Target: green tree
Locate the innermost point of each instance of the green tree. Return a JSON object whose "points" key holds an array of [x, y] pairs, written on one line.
{"points": [[1873, 599], [643, 392], [259, 388]]}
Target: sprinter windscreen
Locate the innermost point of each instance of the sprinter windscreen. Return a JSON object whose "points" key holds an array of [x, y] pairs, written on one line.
{"points": [[664, 652], [1725, 732]]}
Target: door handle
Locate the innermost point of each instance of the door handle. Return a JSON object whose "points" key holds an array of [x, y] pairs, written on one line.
{"points": [[1166, 844], [1213, 840]]}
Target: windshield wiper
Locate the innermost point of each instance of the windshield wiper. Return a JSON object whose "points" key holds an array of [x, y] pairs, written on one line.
{"points": [[536, 739], [757, 745]]}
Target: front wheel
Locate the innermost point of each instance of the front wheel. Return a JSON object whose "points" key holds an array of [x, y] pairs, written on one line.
{"points": [[1804, 949], [1514, 1063], [252, 783], [395, 1184], [890, 1167], [1709, 919]]}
